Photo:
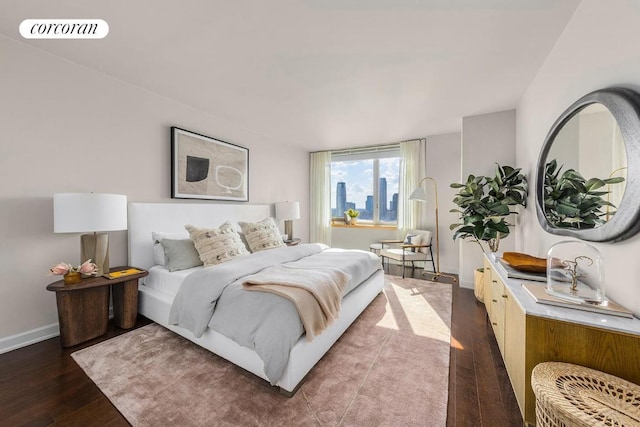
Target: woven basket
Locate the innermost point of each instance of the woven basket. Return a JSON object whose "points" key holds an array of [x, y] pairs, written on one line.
{"points": [[571, 395]]}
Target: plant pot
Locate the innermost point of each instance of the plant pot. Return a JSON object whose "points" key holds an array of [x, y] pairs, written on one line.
{"points": [[72, 278], [353, 221], [478, 284]]}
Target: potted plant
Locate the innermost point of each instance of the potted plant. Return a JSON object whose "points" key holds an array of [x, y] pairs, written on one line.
{"points": [[571, 201], [485, 203], [351, 215]]}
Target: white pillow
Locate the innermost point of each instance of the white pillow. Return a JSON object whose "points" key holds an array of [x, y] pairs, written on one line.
{"points": [[217, 245], [413, 239], [261, 235], [159, 256], [425, 239]]}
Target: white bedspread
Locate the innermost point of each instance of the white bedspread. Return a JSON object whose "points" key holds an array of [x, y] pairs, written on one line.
{"points": [[266, 323]]}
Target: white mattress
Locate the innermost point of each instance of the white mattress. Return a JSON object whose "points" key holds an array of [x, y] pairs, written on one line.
{"points": [[163, 280]]}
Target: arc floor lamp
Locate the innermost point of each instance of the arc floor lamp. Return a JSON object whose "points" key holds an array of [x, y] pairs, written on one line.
{"points": [[420, 195]]}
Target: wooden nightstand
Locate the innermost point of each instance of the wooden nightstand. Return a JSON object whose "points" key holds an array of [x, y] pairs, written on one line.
{"points": [[83, 308], [292, 242]]}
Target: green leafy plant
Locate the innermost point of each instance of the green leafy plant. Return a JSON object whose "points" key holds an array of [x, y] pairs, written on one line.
{"points": [[571, 201], [353, 213], [485, 204]]}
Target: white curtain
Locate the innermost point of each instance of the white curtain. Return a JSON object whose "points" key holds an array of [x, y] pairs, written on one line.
{"points": [[320, 194], [413, 159]]}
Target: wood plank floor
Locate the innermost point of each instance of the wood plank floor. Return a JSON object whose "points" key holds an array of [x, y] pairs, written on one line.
{"points": [[41, 385]]}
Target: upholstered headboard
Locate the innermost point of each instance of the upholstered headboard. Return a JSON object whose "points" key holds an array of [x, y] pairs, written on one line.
{"points": [[145, 218]]}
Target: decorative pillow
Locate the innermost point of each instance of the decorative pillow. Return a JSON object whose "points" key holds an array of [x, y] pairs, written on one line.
{"points": [[180, 254], [413, 239], [158, 251], [217, 245], [261, 235], [407, 239], [425, 239]]}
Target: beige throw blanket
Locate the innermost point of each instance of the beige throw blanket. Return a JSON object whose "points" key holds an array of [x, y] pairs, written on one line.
{"points": [[316, 293]]}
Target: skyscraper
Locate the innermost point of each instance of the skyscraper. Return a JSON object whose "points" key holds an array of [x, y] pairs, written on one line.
{"points": [[394, 207], [369, 204], [341, 199], [383, 198]]}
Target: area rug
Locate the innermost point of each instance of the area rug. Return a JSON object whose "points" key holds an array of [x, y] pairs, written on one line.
{"points": [[391, 367]]}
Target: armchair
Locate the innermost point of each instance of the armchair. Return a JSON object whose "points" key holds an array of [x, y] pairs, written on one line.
{"points": [[417, 247]]}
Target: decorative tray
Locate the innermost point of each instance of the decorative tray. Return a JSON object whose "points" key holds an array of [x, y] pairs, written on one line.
{"points": [[524, 262]]}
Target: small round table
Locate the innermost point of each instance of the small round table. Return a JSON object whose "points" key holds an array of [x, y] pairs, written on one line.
{"points": [[572, 395]]}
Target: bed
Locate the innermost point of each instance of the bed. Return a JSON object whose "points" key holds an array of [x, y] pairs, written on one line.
{"points": [[158, 292]]}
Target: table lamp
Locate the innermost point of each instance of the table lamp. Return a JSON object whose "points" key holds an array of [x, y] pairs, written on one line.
{"points": [[288, 211], [90, 212]]}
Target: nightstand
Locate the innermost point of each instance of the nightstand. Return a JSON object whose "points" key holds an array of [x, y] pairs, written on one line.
{"points": [[292, 242], [83, 308]]}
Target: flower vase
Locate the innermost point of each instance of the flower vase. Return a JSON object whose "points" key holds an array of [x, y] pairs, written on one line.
{"points": [[71, 278]]}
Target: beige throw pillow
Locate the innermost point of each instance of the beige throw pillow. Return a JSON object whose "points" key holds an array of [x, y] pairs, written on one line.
{"points": [[261, 235], [217, 245]]}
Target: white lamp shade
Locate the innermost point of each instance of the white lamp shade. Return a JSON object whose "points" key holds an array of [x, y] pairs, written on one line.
{"points": [[288, 210], [82, 212], [419, 194]]}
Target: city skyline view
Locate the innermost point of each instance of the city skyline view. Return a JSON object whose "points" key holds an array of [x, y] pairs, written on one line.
{"points": [[352, 187]]}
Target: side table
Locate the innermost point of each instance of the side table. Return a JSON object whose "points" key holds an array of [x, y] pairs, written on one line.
{"points": [[83, 308]]}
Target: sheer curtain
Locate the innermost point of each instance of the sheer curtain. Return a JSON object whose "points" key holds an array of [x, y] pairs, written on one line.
{"points": [[320, 193], [413, 159]]}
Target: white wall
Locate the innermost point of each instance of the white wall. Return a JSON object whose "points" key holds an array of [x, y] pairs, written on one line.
{"points": [[69, 129], [487, 139], [443, 164], [597, 49]]}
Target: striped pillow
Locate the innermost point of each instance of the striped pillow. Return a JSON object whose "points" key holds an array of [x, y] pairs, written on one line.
{"points": [[261, 235], [217, 245]]}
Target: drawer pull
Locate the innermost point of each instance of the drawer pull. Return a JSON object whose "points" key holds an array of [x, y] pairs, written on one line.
{"points": [[494, 300], [495, 281], [494, 323], [504, 296]]}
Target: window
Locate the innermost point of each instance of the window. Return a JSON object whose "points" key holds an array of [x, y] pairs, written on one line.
{"points": [[366, 180]]}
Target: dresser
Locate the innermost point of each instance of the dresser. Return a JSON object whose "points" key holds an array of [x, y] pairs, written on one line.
{"points": [[529, 333]]}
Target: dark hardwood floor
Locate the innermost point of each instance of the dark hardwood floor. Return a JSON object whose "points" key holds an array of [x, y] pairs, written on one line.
{"points": [[41, 385]]}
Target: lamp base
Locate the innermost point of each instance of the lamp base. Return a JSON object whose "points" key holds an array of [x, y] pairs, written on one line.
{"points": [[95, 247], [436, 275], [288, 228]]}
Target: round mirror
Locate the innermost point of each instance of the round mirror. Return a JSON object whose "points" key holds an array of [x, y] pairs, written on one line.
{"points": [[588, 182]]}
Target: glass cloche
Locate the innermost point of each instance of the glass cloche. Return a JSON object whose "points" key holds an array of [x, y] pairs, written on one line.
{"points": [[575, 273]]}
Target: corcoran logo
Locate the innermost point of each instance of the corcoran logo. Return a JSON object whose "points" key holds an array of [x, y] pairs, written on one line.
{"points": [[64, 29]]}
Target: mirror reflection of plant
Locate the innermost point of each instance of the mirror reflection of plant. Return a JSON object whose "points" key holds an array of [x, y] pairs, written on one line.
{"points": [[571, 201], [485, 204]]}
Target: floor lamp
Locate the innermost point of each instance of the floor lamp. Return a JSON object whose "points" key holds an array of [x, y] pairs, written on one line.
{"points": [[420, 195]]}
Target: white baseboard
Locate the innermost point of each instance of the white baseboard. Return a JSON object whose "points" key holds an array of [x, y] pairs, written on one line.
{"points": [[24, 339], [469, 285]]}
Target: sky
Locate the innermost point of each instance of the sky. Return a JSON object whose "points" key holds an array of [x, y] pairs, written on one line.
{"points": [[358, 177]]}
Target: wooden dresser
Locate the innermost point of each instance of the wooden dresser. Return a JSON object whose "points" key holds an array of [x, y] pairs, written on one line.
{"points": [[529, 333]]}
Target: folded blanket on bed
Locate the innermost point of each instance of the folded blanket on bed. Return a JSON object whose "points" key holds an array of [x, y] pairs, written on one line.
{"points": [[316, 293]]}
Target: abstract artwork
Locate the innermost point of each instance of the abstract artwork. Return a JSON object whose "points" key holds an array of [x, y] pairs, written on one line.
{"points": [[207, 168]]}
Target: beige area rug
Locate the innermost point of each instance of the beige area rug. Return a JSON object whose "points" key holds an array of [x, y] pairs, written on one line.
{"points": [[390, 368]]}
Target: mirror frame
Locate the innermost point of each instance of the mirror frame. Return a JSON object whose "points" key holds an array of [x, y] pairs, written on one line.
{"points": [[624, 105]]}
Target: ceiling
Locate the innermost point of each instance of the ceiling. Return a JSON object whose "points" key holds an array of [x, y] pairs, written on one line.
{"points": [[322, 74]]}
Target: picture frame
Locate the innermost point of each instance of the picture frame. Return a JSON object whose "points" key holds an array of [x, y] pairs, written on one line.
{"points": [[203, 167]]}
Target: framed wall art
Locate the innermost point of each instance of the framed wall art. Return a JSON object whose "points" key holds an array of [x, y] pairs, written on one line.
{"points": [[207, 168]]}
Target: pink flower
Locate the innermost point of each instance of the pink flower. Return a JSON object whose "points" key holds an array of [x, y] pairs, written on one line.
{"points": [[88, 267], [60, 269]]}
